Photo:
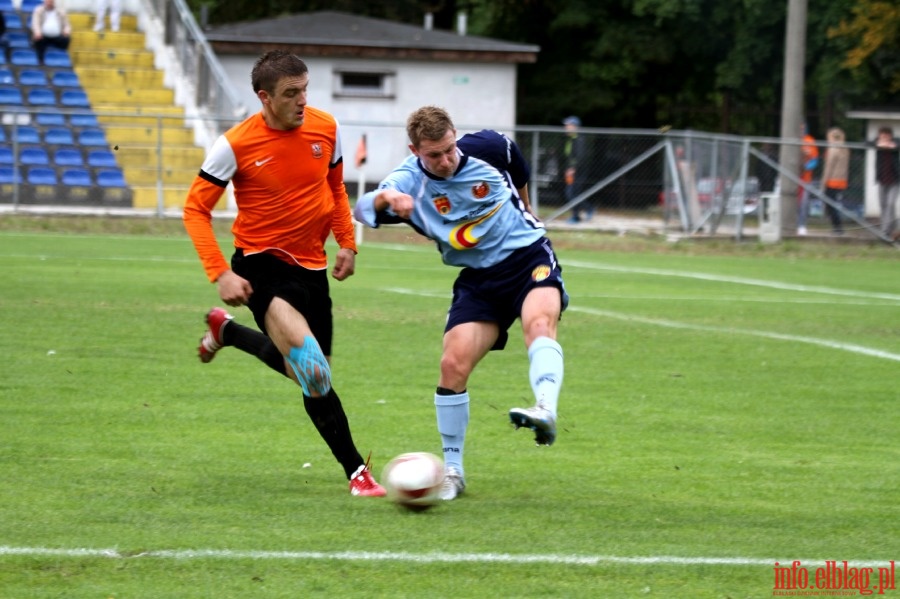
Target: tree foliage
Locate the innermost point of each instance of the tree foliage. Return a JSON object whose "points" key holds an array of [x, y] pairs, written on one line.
{"points": [[873, 32], [703, 64]]}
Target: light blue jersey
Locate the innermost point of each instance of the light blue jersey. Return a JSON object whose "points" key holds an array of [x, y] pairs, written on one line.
{"points": [[476, 217]]}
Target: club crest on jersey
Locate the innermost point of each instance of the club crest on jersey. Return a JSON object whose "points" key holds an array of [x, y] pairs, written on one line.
{"points": [[316, 150], [442, 204], [481, 190], [540, 273]]}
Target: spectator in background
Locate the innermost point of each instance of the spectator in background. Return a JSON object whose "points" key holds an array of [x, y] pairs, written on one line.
{"points": [[115, 14], [834, 176], [4, 42], [49, 27], [573, 167], [887, 174], [768, 174], [809, 160]]}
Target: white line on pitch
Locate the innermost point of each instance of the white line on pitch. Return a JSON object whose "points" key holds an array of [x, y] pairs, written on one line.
{"points": [[736, 299], [850, 347], [391, 556], [736, 280]]}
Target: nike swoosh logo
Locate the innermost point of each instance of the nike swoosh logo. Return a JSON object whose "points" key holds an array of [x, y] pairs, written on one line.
{"points": [[262, 162]]}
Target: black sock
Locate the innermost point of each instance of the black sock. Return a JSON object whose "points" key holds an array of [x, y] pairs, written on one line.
{"points": [[327, 414], [256, 344]]}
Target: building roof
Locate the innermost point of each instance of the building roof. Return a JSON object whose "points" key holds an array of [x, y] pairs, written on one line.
{"points": [[337, 34]]}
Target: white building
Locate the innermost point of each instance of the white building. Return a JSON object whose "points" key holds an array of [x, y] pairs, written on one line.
{"points": [[370, 73]]}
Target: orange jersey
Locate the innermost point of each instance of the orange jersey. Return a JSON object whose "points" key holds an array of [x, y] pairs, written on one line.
{"points": [[810, 152], [289, 190]]}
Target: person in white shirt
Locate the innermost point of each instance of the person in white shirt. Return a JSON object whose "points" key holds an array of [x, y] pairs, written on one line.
{"points": [[115, 14], [50, 27]]}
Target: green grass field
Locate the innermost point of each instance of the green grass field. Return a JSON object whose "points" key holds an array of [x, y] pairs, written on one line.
{"points": [[724, 408]]}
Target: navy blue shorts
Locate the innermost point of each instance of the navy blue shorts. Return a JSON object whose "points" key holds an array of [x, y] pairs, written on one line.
{"points": [[496, 294], [306, 290]]}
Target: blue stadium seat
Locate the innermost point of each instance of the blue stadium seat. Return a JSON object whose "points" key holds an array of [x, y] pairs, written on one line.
{"points": [[111, 178], [61, 136], [7, 6], [92, 137], [42, 175], [13, 21], [26, 135], [28, 6], [41, 97], [11, 96], [50, 118], [57, 58], [76, 176], [32, 77], [74, 97], [6, 155], [10, 174], [34, 155], [68, 157], [43, 189], [2, 134], [83, 119], [17, 39], [102, 158], [7, 77], [65, 79], [24, 57]]}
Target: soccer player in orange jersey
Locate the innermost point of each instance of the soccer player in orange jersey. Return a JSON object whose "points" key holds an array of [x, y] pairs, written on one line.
{"points": [[285, 166]]}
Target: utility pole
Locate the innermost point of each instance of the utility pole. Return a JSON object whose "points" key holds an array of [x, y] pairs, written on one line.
{"points": [[792, 109]]}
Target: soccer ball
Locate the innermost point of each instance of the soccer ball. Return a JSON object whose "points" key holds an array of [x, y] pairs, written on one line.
{"points": [[413, 480]]}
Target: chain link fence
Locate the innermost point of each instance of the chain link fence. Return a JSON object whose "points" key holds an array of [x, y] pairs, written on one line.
{"points": [[677, 183], [690, 183]]}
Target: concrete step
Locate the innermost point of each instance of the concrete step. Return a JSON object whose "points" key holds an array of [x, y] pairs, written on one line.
{"points": [[146, 156], [83, 21], [105, 40], [129, 96], [178, 177], [173, 197], [137, 134], [111, 58], [118, 76]]}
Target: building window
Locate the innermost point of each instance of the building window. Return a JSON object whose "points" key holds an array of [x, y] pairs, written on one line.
{"points": [[364, 84]]}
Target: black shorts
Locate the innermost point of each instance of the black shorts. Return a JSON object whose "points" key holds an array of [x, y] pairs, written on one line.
{"points": [[496, 294], [306, 290]]}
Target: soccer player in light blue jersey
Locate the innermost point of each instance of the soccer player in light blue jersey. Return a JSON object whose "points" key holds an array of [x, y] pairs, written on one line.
{"points": [[470, 196]]}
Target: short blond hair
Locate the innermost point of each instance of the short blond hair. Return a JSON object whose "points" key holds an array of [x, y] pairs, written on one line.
{"points": [[428, 123]]}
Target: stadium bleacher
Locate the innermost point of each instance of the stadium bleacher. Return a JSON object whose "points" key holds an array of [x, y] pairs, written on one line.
{"points": [[68, 156], [50, 117], [59, 136], [23, 57], [13, 20], [29, 77], [53, 149], [25, 134]]}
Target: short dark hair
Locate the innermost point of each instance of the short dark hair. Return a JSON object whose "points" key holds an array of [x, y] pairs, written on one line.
{"points": [[428, 122], [886, 131], [272, 66]]}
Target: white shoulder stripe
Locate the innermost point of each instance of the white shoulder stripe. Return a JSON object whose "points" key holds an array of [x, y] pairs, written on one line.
{"points": [[220, 162]]}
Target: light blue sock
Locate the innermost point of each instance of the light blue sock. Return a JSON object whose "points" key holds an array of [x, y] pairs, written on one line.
{"points": [[452, 421], [546, 372]]}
